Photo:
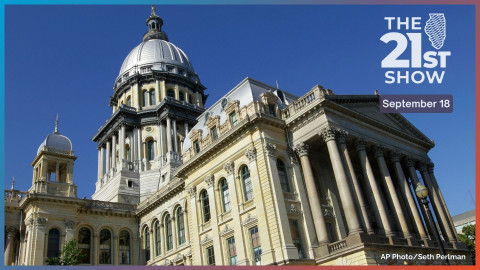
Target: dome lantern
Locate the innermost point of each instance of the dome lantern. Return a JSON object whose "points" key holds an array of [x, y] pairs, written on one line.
{"points": [[155, 24]]}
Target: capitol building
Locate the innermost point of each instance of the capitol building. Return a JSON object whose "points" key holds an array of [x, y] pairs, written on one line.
{"points": [[261, 177]]}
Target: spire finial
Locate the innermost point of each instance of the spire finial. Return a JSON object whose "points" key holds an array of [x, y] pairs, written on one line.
{"points": [[153, 11], [56, 124], [13, 183]]}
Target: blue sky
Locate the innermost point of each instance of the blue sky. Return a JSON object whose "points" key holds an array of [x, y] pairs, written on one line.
{"points": [[65, 59]]}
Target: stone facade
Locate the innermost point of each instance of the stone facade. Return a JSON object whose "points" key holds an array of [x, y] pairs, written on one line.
{"points": [[262, 177]]}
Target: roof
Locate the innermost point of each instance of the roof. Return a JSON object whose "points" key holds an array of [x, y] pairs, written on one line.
{"points": [[464, 217]]}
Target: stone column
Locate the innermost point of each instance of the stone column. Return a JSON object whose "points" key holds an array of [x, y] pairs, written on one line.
{"points": [[288, 250], [342, 145], [139, 149], [95, 248], [108, 150], [102, 167], [114, 152], [442, 200], [186, 129], [328, 134], [159, 140], [302, 150], [436, 205], [175, 143], [10, 235], [39, 247], [169, 136], [57, 171], [115, 253], [407, 194], [121, 150], [99, 164], [157, 92], [240, 241], [381, 213], [195, 240], [385, 174], [69, 230], [414, 177]]}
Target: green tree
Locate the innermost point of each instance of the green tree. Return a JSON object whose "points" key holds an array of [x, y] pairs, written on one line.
{"points": [[468, 236], [70, 255]]}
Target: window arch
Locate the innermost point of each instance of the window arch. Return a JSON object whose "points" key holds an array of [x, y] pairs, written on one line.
{"points": [[53, 248], [170, 93], [158, 238], [282, 174], [146, 243], [144, 98], [168, 232], [150, 150], [105, 247], [205, 206], [124, 247], [181, 96], [246, 183], [84, 242], [225, 194], [180, 226], [152, 97]]}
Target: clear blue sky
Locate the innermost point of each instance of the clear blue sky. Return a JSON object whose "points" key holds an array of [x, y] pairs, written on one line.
{"points": [[65, 59]]}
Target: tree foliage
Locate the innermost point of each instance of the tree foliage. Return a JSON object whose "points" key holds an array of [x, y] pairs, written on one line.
{"points": [[468, 236], [70, 255]]}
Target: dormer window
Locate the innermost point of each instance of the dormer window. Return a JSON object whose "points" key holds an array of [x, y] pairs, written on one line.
{"points": [[213, 133], [196, 146], [233, 119], [272, 109]]}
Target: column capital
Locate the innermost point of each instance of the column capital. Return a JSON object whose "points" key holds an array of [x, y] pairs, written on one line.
{"points": [[69, 224], [409, 162], [422, 166], [341, 136], [251, 153], [270, 149], [229, 167], [41, 221], [11, 231], [328, 133], [378, 149], [302, 149], [430, 167], [360, 144], [291, 155], [192, 192], [209, 180], [395, 156]]}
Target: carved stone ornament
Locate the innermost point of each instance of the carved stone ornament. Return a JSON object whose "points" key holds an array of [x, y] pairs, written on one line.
{"points": [[328, 213], [422, 166], [341, 136], [270, 149], [70, 224], [209, 180], [249, 220], [291, 155], [192, 192], [229, 167], [251, 153], [226, 230], [409, 162], [207, 239], [328, 133], [395, 156], [430, 167], [178, 258], [293, 209], [302, 149], [41, 221], [378, 150], [11, 231], [360, 144]]}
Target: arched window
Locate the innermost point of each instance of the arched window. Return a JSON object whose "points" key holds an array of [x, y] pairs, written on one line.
{"points": [[225, 195], [53, 248], [205, 206], [170, 93], [84, 240], [144, 98], [129, 101], [168, 232], [180, 226], [282, 174], [181, 96], [124, 247], [190, 99], [146, 243], [247, 183], [158, 238], [127, 152], [152, 97], [150, 150], [105, 247]]}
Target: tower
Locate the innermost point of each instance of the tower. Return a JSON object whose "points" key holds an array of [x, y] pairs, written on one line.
{"points": [[53, 166], [157, 97]]}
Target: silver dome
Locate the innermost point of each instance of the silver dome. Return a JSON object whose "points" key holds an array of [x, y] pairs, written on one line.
{"points": [[154, 54], [56, 142]]}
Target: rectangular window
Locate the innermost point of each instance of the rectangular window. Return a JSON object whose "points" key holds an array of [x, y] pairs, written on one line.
{"points": [[232, 250], [210, 256], [272, 110], [256, 246], [233, 119], [296, 237], [196, 146], [213, 133]]}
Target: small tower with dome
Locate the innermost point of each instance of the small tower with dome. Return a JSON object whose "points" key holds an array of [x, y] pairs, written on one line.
{"points": [[53, 166]]}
